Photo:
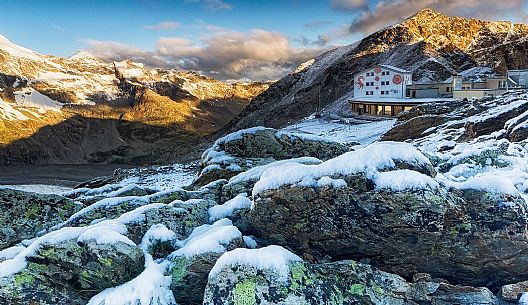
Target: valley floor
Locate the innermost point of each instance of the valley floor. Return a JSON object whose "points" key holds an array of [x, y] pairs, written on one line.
{"points": [[58, 178], [58, 175]]}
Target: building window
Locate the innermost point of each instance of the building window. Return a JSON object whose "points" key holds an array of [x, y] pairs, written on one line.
{"points": [[385, 83], [448, 89]]}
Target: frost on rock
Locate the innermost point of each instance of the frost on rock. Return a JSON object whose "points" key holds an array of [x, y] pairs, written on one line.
{"points": [[209, 238], [272, 258], [370, 161], [226, 210], [404, 179], [152, 286], [248, 148], [149, 288]]}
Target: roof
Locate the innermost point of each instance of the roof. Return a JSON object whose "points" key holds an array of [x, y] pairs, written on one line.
{"points": [[397, 101], [395, 69], [389, 67]]}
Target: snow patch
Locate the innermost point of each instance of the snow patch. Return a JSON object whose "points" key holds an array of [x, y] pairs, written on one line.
{"points": [[271, 258], [226, 210]]}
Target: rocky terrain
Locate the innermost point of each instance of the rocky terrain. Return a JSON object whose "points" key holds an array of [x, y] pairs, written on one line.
{"points": [[283, 217], [431, 45], [81, 109]]}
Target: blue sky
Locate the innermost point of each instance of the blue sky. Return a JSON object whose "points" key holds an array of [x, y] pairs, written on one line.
{"points": [[229, 39], [62, 27]]}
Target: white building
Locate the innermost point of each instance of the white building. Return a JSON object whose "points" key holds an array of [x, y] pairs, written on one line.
{"points": [[382, 81]]}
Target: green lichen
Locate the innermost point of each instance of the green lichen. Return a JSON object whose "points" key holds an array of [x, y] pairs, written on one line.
{"points": [[23, 277], [178, 268], [105, 261], [245, 293], [48, 252], [357, 289]]}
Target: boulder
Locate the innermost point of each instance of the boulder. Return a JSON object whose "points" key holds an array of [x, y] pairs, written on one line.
{"points": [[512, 292], [494, 119], [245, 149], [284, 280], [413, 128], [402, 220], [71, 273], [191, 264], [25, 215]]}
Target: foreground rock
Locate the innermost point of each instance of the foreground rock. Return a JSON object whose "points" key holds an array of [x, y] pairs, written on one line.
{"points": [[384, 201], [273, 275], [71, 273], [190, 265], [25, 215]]}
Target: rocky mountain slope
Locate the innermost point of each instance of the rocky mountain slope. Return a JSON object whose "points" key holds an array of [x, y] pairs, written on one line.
{"points": [[430, 44], [82, 109], [278, 217]]}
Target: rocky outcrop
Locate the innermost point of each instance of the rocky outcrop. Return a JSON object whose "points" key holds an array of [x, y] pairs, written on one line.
{"points": [[412, 128], [469, 237], [259, 146], [343, 282], [71, 273], [495, 119], [26, 215]]}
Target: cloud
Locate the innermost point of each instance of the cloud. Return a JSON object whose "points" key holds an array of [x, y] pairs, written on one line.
{"points": [[212, 4], [321, 41], [348, 5], [253, 55], [116, 51], [59, 28], [388, 12], [164, 25], [256, 54], [316, 24]]}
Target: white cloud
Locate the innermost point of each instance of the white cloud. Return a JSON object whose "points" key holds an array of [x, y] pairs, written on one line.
{"points": [[59, 28], [164, 25], [116, 51], [212, 4], [348, 5], [388, 12], [254, 55]]}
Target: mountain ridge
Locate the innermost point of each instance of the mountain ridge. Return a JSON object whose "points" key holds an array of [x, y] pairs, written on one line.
{"points": [[38, 91], [430, 44]]}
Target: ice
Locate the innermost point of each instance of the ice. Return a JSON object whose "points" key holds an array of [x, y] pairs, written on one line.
{"points": [[273, 258], [342, 131]]}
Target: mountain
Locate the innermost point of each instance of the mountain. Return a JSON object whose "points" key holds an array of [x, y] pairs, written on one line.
{"points": [[431, 45], [83, 109]]}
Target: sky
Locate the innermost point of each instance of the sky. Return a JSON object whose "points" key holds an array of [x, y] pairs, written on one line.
{"points": [[226, 39]]}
